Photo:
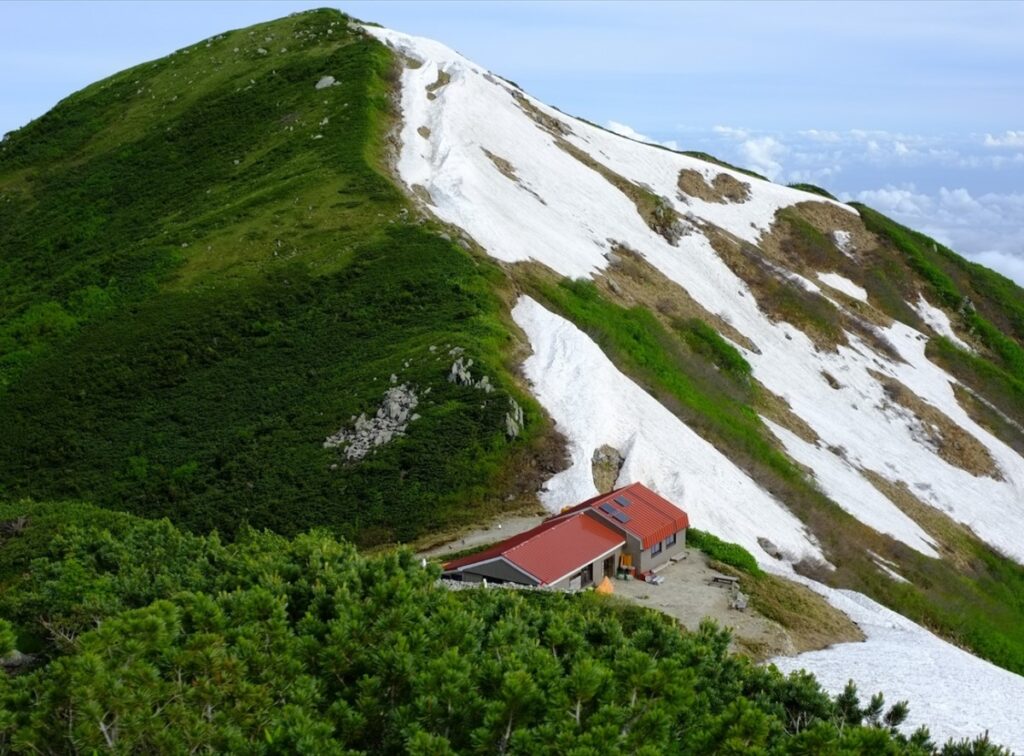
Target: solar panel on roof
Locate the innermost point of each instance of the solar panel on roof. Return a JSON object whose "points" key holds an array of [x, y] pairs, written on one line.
{"points": [[622, 501], [607, 508], [621, 517]]}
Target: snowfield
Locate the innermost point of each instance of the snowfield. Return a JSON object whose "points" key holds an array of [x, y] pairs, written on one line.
{"points": [[571, 377], [949, 690], [562, 213], [470, 143], [850, 490]]}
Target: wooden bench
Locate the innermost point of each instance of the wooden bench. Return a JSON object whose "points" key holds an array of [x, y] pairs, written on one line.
{"points": [[725, 580]]}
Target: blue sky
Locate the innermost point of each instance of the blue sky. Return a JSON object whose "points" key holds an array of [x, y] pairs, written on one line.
{"points": [[916, 108]]}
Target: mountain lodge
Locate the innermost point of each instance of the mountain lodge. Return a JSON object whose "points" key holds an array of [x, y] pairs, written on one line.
{"points": [[631, 529]]}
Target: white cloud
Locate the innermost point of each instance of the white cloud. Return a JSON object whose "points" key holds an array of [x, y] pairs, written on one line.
{"points": [[988, 228], [1011, 266], [763, 154], [981, 216], [816, 135], [625, 130], [731, 132], [813, 175], [1007, 139], [896, 201]]}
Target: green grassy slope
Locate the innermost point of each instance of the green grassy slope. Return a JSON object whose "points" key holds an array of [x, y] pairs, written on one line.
{"points": [[987, 304], [205, 272]]}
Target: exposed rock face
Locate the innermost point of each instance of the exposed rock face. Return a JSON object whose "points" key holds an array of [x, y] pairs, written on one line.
{"points": [[459, 374], [514, 419], [770, 548], [16, 662], [665, 220], [392, 418], [606, 464]]}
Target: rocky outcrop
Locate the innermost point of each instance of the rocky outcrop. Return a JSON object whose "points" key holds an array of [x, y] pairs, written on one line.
{"points": [[459, 374], [514, 420], [665, 221], [606, 464], [390, 421]]}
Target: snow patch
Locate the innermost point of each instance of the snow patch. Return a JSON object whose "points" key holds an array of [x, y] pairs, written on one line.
{"points": [[843, 241], [938, 321], [955, 694], [850, 490], [887, 567], [843, 284], [581, 211], [594, 404]]}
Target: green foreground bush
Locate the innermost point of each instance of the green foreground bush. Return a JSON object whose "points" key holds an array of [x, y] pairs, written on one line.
{"points": [[153, 640]]}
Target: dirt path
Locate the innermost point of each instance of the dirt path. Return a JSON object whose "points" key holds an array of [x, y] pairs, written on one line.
{"points": [[496, 531], [689, 595]]}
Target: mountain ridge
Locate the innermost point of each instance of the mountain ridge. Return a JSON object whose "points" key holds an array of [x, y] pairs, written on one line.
{"points": [[226, 277]]}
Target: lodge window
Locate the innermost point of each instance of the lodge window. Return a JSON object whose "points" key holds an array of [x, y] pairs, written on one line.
{"points": [[671, 540], [656, 549]]}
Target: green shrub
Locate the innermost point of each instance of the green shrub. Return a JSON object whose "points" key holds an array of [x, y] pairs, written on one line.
{"points": [[707, 342], [813, 190], [270, 645], [730, 553]]}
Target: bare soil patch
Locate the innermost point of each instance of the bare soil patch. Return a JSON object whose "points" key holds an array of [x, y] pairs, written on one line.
{"points": [[471, 539], [724, 188], [630, 279], [443, 78], [951, 442], [689, 595], [554, 126], [777, 409], [422, 193], [951, 538]]}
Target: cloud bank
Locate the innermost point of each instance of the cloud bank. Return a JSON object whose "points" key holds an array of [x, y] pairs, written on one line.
{"points": [[966, 191]]}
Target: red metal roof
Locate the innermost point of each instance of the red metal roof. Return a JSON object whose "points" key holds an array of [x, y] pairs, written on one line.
{"points": [[500, 548], [568, 541], [553, 550], [652, 518]]}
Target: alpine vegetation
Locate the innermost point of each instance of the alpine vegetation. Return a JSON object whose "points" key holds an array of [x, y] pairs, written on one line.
{"points": [[317, 286]]}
